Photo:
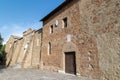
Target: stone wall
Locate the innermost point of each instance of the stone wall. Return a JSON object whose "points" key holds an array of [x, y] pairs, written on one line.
{"points": [[10, 48], [24, 52], [92, 32], [36, 53], [69, 39], [94, 28], [27, 48], [101, 20], [18, 49]]}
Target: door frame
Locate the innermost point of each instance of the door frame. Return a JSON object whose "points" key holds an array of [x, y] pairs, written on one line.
{"points": [[64, 65]]}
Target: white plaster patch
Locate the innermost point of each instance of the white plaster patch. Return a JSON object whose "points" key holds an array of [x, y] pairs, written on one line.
{"points": [[68, 38]]}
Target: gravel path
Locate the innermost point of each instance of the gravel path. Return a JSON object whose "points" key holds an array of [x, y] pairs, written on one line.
{"points": [[32, 74]]}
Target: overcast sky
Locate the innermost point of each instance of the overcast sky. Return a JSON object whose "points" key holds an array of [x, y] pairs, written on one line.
{"points": [[16, 16]]}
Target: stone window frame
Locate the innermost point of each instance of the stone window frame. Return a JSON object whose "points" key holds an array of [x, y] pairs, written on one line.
{"points": [[49, 48], [51, 29], [65, 22], [56, 23]]}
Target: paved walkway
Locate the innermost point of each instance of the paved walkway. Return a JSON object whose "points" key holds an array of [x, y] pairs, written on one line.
{"points": [[31, 74]]}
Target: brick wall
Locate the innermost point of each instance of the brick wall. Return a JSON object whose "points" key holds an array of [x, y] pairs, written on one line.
{"points": [[94, 28], [83, 44], [99, 19], [92, 32]]}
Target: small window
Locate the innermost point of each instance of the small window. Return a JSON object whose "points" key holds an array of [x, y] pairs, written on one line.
{"points": [[51, 29], [65, 22], [56, 23], [49, 48]]}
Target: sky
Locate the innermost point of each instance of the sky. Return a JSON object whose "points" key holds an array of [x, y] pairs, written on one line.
{"points": [[17, 16]]}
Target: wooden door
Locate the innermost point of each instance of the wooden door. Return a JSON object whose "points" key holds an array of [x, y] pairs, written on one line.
{"points": [[70, 62]]}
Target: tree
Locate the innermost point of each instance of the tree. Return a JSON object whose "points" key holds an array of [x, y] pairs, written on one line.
{"points": [[1, 40], [2, 55], [2, 51]]}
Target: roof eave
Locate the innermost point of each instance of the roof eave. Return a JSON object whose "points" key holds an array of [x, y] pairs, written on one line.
{"points": [[55, 10]]}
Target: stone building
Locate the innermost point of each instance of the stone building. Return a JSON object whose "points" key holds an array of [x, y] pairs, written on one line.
{"points": [[10, 48], [26, 50], [82, 37], [66, 48], [36, 52]]}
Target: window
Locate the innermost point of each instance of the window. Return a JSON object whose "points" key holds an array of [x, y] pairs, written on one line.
{"points": [[49, 48], [56, 23], [51, 29], [65, 22]]}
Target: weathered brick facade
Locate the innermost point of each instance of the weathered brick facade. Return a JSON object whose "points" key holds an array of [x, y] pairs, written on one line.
{"points": [[10, 48], [81, 43], [86, 30], [100, 19], [93, 29], [25, 53], [36, 52]]}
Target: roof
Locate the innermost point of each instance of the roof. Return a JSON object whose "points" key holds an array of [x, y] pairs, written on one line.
{"points": [[39, 29], [56, 10]]}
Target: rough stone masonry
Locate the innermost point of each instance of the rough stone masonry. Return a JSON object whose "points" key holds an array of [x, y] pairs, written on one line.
{"points": [[101, 19], [83, 32]]}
